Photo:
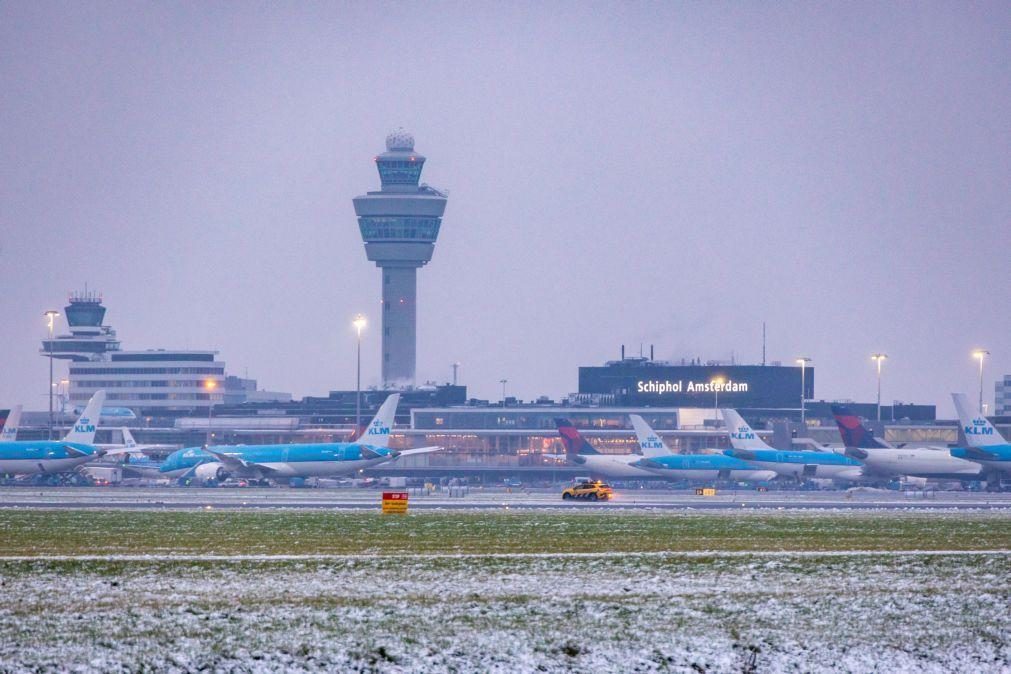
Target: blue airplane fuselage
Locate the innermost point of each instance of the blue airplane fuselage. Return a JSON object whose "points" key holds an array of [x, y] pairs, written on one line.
{"points": [[295, 460], [993, 456], [28, 457], [702, 467], [801, 464]]}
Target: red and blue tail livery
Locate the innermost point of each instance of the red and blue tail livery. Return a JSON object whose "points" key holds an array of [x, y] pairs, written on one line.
{"points": [[571, 438], [853, 432]]}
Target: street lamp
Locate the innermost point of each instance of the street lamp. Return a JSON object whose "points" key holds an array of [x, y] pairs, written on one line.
{"points": [[717, 384], [209, 386], [879, 357], [981, 354], [803, 361], [50, 318], [359, 323]]}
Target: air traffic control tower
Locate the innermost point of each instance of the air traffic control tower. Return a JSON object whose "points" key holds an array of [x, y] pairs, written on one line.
{"points": [[399, 225]]}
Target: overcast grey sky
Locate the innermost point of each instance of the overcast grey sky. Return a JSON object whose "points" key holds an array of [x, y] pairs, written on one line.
{"points": [[618, 173]]}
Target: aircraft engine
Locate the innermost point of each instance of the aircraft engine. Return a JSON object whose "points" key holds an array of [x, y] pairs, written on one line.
{"points": [[207, 472]]}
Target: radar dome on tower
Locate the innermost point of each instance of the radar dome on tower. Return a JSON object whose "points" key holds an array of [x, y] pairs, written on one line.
{"points": [[399, 140]]}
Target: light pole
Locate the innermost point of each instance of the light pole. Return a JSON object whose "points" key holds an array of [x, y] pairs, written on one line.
{"points": [[209, 385], [981, 354], [804, 360], [359, 323], [879, 357], [65, 396], [717, 384], [50, 317], [503, 382]]}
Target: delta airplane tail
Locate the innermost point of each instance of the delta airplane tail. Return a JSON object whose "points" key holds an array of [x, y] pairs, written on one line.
{"points": [[377, 434], [573, 441], [649, 442], [978, 431], [741, 435], [85, 426], [10, 431], [853, 432]]}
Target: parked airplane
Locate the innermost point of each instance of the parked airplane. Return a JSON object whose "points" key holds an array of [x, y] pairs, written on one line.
{"points": [[883, 461], [10, 430], [262, 462], [582, 453], [30, 457], [985, 445], [800, 465], [691, 466]]}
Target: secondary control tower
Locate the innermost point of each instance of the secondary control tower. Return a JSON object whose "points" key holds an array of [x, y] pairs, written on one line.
{"points": [[399, 225]]}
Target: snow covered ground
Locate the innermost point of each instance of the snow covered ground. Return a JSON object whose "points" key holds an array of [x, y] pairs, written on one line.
{"points": [[716, 612]]}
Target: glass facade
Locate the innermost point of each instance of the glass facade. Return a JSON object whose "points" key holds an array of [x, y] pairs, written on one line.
{"points": [[399, 171], [539, 418], [399, 228], [80, 370]]}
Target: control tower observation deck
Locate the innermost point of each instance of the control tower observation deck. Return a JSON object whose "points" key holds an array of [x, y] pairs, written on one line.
{"points": [[399, 225], [89, 339]]}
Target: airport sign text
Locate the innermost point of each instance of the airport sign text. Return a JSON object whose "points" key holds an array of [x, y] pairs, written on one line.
{"points": [[661, 387]]}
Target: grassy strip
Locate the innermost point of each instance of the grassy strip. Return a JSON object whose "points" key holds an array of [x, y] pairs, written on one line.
{"points": [[39, 532]]}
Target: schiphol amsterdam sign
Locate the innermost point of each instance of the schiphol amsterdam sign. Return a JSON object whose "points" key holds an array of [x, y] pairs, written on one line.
{"points": [[664, 386]]}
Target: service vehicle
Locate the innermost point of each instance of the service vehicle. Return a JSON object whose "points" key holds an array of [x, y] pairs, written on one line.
{"points": [[589, 491]]}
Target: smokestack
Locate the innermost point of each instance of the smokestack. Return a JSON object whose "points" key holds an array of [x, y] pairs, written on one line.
{"points": [[623, 352], [651, 352], [763, 342]]}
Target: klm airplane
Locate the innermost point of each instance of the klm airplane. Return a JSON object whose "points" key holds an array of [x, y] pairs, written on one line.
{"points": [[32, 457], [800, 465], [690, 466], [263, 462], [10, 430], [581, 453], [985, 445]]}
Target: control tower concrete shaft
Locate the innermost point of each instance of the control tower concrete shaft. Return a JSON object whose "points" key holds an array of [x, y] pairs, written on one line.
{"points": [[399, 225]]}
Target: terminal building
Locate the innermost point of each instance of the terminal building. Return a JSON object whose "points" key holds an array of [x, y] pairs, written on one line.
{"points": [[151, 383], [644, 381]]}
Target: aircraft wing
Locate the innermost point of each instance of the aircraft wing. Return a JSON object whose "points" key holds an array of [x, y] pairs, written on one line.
{"points": [[229, 460], [119, 451], [237, 463], [418, 450]]}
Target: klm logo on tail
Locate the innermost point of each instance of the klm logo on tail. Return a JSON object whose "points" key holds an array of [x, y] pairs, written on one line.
{"points": [[84, 425], [377, 428], [743, 433], [652, 442], [979, 426]]}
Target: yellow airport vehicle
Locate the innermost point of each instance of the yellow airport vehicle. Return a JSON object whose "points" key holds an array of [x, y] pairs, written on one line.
{"points": [[589, 491]]}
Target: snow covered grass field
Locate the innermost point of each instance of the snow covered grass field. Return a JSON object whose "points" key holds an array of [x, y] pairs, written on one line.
{"points": [[504, 592], [41, 532]]}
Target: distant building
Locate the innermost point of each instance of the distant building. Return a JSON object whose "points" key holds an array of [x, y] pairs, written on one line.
{"points": [[1002, 397], [151, 383], [655, 383]]}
